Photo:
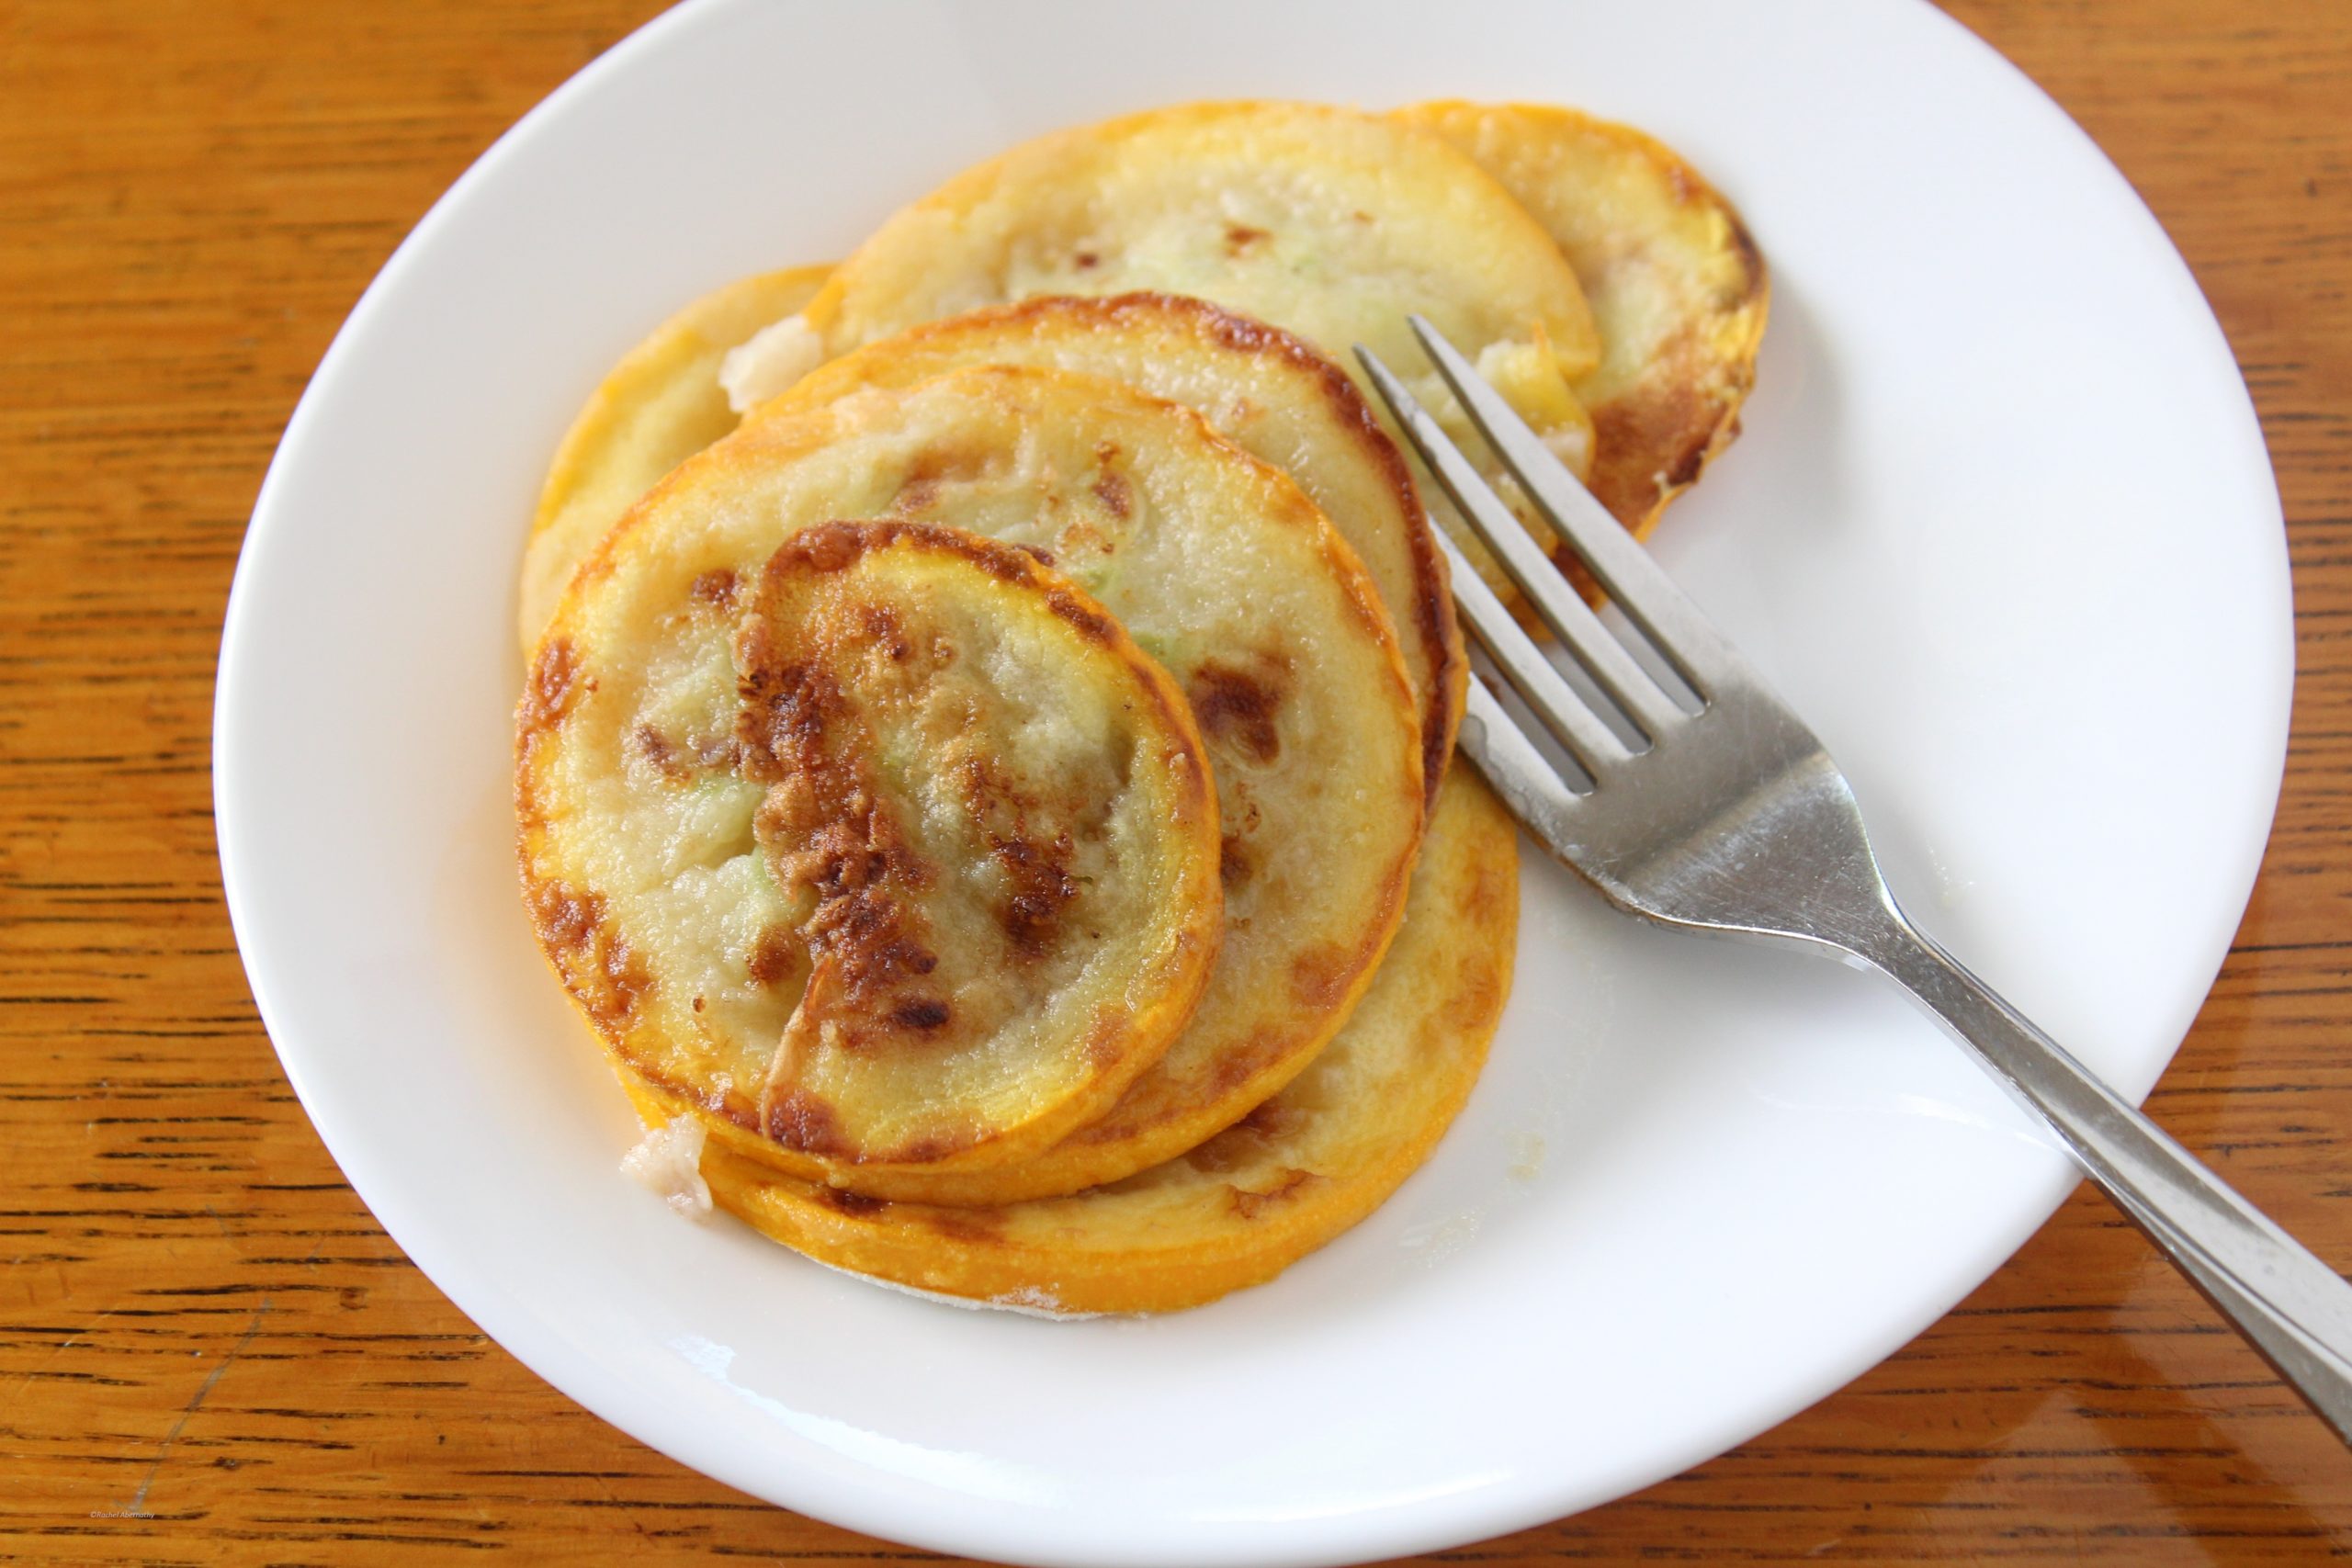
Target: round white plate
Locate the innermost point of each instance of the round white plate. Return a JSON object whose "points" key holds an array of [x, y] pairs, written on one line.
{"points": [[2000, 527]]}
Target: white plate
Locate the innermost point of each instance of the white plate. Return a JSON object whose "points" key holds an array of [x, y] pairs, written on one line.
{"points": [[2000, 525]]}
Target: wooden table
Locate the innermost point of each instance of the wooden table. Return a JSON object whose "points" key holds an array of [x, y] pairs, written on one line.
{"points": [[209, 1352]]}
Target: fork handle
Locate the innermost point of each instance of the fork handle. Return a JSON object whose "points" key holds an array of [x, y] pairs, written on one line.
{"points": [[2295, 1309]]}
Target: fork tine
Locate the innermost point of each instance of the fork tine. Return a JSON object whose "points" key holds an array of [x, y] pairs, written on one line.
{"points": [[1576, 727], [1531, 788], [1642, 702], [1571, 619], [1671, 622], [1593, 744]]}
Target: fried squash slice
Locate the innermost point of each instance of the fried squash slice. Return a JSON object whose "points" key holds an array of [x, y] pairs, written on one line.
{"points": [[1267, 391], [1218, 566], [898, 785], [1677, 289], [1237, 1210], [1328, 223]]}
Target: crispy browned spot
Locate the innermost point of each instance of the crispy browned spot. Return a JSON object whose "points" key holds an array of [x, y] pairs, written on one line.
{"points": [[1478, 994], [1110, 490], [1655, 439], [1246, 1140], [716, 586], [1250, 1205], [555, 681], [826, 828], [1239, 237], [776, 952], [1237, 1065], [597, 965], [1235, 863], [882, 624], [1106, 1037], [868, 931], [732, 1107], [828, 547], [1041, 888], [1750, 285], [1221, 1153], [1269, 1119], [661, 751], [914, 497], [1431, 611], [962, 1224], [1086, 259], [856, 1205], [958, 464], [566, 920], [922, 1150], [1320, 976], [626, 980], [921, 1012], [785, 709], [1662, 434], [1234, 705], [1491, 883], [1084, 618], [798, 1120], [933, 470]]}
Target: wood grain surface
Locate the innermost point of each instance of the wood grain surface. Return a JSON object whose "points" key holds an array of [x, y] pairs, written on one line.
{"points": [[209, 1351]]}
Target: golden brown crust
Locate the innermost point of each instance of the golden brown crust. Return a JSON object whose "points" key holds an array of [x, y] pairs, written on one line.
{"points": [[1678, 290], [1195, 487], [1654, 440], [1239, 1208], [591, 957], [860, 950], [1428, 627], [870, 945], [1157, 1119]]}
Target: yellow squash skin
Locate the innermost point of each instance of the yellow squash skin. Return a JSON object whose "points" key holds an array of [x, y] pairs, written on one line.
{"points": [[1677, 289], [1269, 392], [658, 407], [1237, 1211], [1224, 572], [902, 784]]}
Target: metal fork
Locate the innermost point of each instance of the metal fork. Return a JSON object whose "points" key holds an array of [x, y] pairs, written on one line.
{"points": [[1733, 818]]}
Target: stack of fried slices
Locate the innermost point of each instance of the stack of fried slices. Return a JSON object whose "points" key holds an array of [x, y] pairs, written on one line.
{"points": [[983, 768]]}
